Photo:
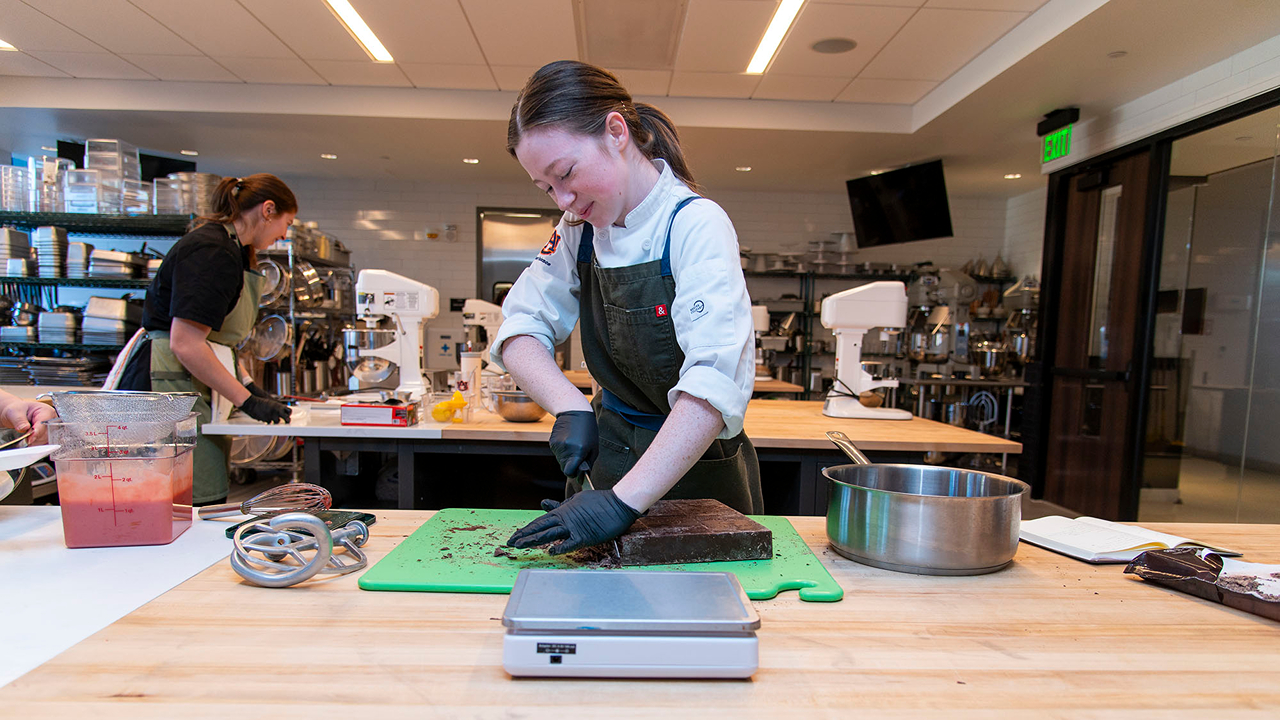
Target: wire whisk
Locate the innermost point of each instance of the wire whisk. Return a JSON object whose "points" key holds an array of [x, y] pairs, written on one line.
{"points": [[285, 498]]}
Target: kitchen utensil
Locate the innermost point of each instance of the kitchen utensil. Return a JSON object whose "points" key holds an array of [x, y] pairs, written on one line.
{"points": [[307, 286], [249, 448], [999, 268], [468, 564], [281, 446], [516, 406], [276, 281], [124, 483], [704, 627], [271, 338], [25, 314], [921, 519], [283, 543], [15, 441], [368, 369], [990, 356], [122, 406], [290, 496], [114, 309]]}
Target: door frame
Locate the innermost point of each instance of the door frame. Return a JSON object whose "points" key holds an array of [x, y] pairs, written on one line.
{"points": [[1160, 145]]}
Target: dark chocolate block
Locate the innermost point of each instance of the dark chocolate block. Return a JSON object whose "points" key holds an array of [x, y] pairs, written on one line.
{"points": [[689, 531]]}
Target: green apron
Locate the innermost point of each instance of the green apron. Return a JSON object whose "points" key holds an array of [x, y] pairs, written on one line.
{"points": [[629, 343], [168, 375]]}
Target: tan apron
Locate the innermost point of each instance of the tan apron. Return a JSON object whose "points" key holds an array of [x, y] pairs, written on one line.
{"points": [[168, 375]]}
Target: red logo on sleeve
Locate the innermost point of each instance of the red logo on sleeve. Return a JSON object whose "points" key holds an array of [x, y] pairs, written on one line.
{"points": [[660, 311], [552, 244]]}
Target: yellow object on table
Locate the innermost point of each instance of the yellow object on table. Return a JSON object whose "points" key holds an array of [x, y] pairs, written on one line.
{"points": [[448, 409]]}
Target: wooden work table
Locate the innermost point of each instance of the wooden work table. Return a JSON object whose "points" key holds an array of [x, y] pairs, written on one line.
{"points": [[1046, 637], [789, 437], [581, 379]]}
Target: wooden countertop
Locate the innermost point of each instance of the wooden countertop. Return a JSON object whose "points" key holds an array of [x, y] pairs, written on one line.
{"points": [[581, 379], [782, 424], [785, 424], [1046, 637]]}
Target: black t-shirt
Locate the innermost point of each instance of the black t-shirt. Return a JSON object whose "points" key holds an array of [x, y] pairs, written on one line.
{"points": [[200, 280]]}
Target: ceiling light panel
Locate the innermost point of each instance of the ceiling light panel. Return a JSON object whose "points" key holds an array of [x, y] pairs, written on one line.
{"points": [[871, 26], [218, 28], [117, 25], [7, 47], [360, 30], [528, 33], [774, 34], [706, 47], [629, 34]]}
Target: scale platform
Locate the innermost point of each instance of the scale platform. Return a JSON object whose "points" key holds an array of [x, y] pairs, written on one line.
{"points": [[629, 624]]}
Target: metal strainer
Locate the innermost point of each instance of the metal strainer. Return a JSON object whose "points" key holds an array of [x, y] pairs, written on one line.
{"points": [[98, 406]]}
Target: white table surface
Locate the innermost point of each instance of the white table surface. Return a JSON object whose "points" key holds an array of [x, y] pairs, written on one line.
{"points": [[54, 597], [322, 424]]}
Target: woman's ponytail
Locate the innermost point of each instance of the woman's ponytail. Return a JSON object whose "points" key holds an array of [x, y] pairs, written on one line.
{"points": [[662, 141], [233, 196]]}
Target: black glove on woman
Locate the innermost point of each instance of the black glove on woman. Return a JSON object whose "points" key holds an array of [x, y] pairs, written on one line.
{"points": [[575, 441], [588, 518], [266, 410], [256, 391]]}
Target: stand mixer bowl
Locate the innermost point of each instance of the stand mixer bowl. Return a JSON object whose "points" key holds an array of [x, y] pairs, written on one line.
{"points": [[368, 368]]}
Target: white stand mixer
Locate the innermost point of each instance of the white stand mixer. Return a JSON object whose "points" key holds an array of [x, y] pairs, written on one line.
{"points": [[850, 314], [408, 303]]}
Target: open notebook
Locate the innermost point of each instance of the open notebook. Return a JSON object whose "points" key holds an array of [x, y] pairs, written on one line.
{"points": [[1101, 541]]}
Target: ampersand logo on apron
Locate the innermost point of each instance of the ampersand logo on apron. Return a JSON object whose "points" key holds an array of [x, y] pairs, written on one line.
{"points": [[660, 311]]}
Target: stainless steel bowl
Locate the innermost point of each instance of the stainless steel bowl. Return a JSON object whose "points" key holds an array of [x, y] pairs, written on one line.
{"points": [[924, 519], [516, 406]]}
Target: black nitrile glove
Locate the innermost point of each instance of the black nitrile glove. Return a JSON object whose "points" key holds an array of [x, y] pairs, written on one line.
{"points": [[256, 391], [588, 518], [266, 410], [575, 441]]}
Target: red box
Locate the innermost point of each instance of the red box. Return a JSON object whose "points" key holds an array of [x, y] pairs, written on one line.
{"points": [[377, 415]]}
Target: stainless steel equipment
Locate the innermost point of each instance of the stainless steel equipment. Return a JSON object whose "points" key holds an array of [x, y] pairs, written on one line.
{"points": [[406, 304], [516, 406], [509, 240], [290, 496], [367, 368], [990, 356], [291, 548], [922, 519]]}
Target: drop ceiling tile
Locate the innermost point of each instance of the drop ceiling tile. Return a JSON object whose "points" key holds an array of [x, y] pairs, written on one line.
{"points": [[92, 65], [451, 77], [182, 68], [529, 32], [936, 43], [892, 92], [284, 71], [713, 85], [871, 27], [117, 26], [16, 63], [28, 29], [218, 28], [309, 28], [707, 47], [361, 72], [644, 82], [512, 77], [1013, 5], [779, 86], [423, 31]]}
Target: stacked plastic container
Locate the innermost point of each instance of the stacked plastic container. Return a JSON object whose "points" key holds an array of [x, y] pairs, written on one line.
{"points": [[48, 176], [185, 193], [111, 181], [15, 188]]}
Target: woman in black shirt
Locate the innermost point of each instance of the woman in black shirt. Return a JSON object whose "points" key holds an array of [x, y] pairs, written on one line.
{"points": [[203, 301]]}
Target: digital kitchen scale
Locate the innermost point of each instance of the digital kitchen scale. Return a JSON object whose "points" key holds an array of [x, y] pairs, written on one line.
{"points": [[622, 623]]}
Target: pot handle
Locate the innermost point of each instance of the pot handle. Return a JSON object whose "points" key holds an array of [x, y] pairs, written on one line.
{"points": [[843, 442]]}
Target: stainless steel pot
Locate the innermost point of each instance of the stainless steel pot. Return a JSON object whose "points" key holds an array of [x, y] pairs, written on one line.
{"points": [[990, 356], [922, 519]]}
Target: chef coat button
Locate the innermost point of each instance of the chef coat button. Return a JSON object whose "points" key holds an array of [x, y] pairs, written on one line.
{"points": [[647, 244]]}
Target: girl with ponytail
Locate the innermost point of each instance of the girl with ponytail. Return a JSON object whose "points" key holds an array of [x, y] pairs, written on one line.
{"points": [[650, 271], [202, 302]]}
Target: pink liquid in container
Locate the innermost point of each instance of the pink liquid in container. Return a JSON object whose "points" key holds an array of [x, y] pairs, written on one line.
{"points": [[127, 483]]}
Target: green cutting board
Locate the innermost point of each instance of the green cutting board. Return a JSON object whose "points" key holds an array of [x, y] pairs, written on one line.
{"points": [[453, 552]]}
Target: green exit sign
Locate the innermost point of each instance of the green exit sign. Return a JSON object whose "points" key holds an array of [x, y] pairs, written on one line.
{"points": [[1057, 144]]}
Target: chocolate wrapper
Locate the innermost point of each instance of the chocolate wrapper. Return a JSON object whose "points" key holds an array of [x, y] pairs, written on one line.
{"points": [[1250, 587]]}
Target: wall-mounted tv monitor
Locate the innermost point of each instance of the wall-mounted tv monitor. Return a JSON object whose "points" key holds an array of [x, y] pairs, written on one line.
{"points": [[900, 205]]}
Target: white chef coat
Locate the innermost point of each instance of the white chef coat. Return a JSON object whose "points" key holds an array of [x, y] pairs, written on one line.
{"points": [[712, 311]]}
